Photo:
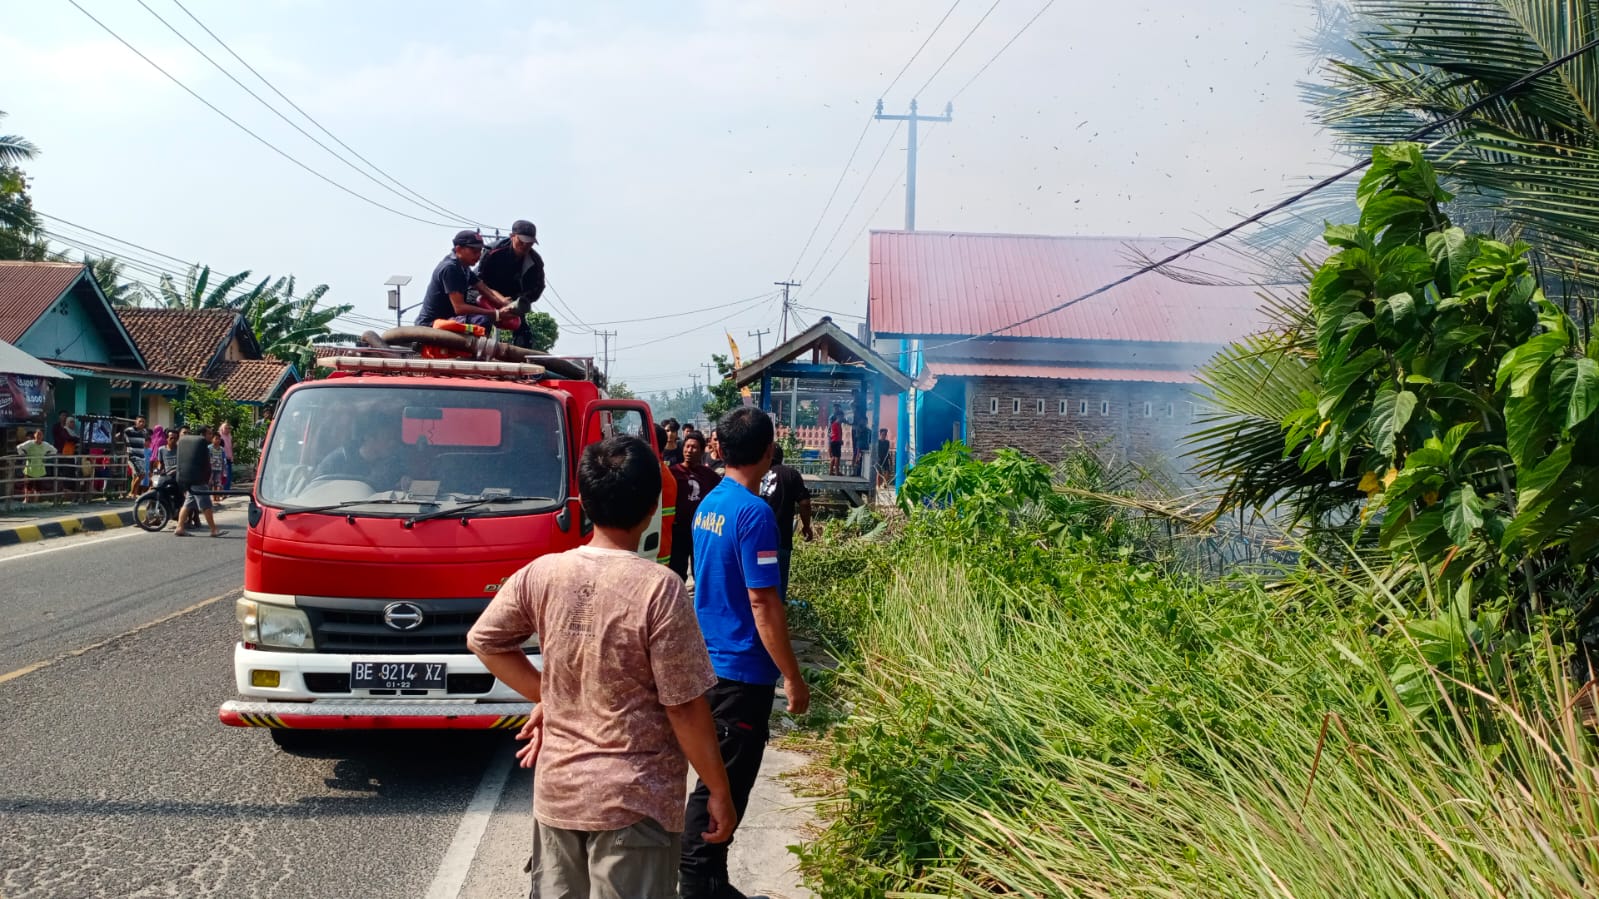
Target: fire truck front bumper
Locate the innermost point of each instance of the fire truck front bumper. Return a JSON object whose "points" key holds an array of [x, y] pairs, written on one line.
{"points": [[391, 714]]}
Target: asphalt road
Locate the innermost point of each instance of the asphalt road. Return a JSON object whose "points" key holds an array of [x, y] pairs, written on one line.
{"points": [[118, 779]]}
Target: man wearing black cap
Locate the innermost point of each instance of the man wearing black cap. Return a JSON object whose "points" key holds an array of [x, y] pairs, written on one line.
{"points": [[514, 269], [447, 287]]}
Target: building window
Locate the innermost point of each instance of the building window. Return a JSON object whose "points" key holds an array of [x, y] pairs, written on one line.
{"points": [[1104, 407], [993, 405], [1015, 406], [1170, 410], [1149, 410], [1063, 407], [1040, 407], [1082, 407]]}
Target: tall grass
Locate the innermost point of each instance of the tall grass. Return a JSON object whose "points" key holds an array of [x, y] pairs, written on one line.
{"points": [[1138, 734]]}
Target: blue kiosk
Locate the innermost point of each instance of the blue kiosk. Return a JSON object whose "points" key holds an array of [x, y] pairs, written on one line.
{"points": [[826, 360]]}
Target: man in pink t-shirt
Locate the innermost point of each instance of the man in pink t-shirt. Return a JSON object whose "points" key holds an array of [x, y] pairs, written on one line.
{"points": [[622, 708]]}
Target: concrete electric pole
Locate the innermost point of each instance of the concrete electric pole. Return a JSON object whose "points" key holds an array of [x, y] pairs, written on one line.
{"points": [[910, 152], [605, 354], [785, 285], [760, 349]]}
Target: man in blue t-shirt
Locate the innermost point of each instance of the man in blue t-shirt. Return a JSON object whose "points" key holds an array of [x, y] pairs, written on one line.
{"points": [[736, 576]]}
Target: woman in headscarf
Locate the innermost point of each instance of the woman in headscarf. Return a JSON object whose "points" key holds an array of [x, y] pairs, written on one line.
{"points": [[158, 441]]}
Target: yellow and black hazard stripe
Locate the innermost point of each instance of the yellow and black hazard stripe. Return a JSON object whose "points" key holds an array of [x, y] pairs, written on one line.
{"points": [[508, 722], [253, 720]]}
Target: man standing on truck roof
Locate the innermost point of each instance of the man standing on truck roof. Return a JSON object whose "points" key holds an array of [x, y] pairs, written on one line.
{"points": [[736, 599], [514, 269], [451, 278]]}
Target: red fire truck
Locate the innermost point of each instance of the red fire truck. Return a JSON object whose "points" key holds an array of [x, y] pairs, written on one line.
{"points": [[393, 499]]}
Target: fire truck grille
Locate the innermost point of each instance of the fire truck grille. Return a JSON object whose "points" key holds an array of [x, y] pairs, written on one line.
{"points": [[358, 625]]}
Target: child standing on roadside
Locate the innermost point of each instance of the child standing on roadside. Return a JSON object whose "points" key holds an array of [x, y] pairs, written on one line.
{"points": [[621, 698]]}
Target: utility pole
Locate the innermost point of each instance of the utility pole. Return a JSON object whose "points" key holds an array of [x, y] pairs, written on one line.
{"points": [[910, 152], [605, 354], [760, 349], [708, 376], [785, 285]]}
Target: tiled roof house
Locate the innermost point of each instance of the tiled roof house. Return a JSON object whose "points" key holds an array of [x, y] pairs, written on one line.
{"points": [[212, 346]]}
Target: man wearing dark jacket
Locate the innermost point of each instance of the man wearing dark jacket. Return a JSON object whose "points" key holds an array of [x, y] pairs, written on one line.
{"points": [[515, 270]]}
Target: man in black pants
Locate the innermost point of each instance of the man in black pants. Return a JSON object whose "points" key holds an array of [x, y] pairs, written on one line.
{"points": [[736, 578], [515, 270]]}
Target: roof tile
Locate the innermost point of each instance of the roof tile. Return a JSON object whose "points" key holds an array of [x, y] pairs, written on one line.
{"points": [[251, 380], [181, 341]]}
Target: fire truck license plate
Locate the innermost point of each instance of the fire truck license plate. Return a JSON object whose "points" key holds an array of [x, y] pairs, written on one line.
{"points": [[396, 675]]}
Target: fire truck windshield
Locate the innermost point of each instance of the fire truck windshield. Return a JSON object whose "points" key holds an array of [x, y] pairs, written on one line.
{"points": [[406, 451]]}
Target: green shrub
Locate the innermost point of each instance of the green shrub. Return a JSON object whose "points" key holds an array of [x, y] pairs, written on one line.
{"points": [[1142, 734]]}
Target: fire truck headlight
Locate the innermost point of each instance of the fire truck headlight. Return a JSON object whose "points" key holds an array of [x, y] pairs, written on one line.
{"points": [[283, 626]]}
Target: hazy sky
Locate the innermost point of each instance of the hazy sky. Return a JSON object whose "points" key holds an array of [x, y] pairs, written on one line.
{"points": [[675, 156]]}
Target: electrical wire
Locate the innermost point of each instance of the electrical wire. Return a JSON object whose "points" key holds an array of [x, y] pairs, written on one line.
{"points": [[308, 117], [844, 172], [109, 237], [286, 120], [925, 42], [1334, 178], [631, 321], [852, 204], [259, 139], [577, 323], [957, 49], [1045, 8], [730, 313]]}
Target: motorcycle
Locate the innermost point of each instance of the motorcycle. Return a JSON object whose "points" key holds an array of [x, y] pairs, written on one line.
{"points": [[160, 504]]}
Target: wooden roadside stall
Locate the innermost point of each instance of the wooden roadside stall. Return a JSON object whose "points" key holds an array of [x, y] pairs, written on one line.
{"points": [[827, 366]]}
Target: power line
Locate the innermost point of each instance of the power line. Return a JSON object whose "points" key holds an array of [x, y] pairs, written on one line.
{"points": [[851, 208], [577, 323], [1334, 178], [919, 50], [286, 120], [109, 237], [730, 313], [844, 254], [259, 139], [1045, 8], [957, 49], [844, 172], [319, 125], [630, 321]]}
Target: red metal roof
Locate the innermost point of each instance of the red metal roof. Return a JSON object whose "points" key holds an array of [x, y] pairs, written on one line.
{"points": [[985, 369], [950, 283], [27, 289]]}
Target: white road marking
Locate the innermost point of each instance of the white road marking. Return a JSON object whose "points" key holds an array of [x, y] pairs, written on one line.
{"points": [[457, 863], [29, 669], [69, 543]]}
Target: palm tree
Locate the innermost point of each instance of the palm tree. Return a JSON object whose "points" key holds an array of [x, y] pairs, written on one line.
{"points": [[286, 326], [107, 272], [197, 292], [1526, 164], [18, 221]]}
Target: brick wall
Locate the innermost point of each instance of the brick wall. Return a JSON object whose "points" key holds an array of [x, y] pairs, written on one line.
{"points": [[1142, 422]]}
